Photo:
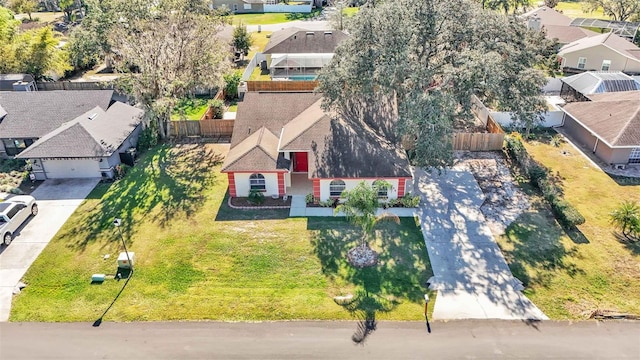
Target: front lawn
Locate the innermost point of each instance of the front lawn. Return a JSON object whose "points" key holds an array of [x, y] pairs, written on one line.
{"points": [[570, 275], [260, 18], [198, 259]]}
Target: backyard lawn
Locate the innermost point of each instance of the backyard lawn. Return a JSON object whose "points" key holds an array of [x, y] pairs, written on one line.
{"points": [[568, 276], [576, 10], [198, 259], [190, 109]]}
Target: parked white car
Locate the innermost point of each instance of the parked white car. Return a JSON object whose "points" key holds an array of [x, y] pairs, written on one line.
{"points": [[13, 213]]}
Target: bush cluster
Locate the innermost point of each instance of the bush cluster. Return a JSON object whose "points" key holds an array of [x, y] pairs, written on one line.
{"points": [[541, 178], [256, 197]]}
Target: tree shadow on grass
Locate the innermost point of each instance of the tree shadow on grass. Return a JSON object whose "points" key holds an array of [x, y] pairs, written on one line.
{"points": [[400, 276], [226, 213], [536, 240], [632, 244], [167, 181]]}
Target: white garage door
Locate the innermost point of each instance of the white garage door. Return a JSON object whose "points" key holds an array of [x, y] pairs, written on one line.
{"points": [[81, 168]]}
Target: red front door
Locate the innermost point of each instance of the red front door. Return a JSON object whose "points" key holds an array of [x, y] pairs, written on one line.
{"points": [[300, 162]]}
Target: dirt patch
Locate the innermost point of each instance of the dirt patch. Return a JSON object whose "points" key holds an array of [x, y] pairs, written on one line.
{"points": [[504, 200]]}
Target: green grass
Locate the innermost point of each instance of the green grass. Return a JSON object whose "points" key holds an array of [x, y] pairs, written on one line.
{"points": [[350, 11], [259, 19], [198, 259], [190, 109], [43, 16], [233, 107], [576, 10], [259, 75], [569, 275]]}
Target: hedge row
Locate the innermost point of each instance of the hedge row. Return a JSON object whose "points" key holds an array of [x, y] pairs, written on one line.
{"points": [[540, 177]]}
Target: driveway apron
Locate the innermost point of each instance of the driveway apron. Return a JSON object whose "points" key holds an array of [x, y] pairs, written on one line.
{"points": [[57, 199], [471, 275]]}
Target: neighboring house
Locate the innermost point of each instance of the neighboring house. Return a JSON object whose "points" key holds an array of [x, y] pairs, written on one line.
{"points": [[578, 87], [298, 54], [605, 52], [24, 82], [556, 25], [68, 134], [284, 143], [263, 6], [609, 125]]}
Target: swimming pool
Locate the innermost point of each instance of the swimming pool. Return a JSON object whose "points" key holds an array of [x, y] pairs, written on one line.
{"points": [[303, 77]]}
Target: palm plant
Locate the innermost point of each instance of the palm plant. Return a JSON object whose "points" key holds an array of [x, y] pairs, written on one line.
{"points": [[627, 218]]}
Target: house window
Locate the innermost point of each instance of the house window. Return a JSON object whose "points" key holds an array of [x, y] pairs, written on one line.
{"points": [[257, 182], [336, 187], [606, 65], [383, 188], [235, 7], [582, 62], [634, 157], [247, 6]]}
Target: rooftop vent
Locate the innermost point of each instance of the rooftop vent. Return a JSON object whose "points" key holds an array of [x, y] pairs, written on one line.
{"points": [[328, 33], [93, 116], [310, 33]]}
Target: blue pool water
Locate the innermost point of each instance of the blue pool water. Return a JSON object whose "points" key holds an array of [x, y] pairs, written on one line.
{"points": [[303, 77]]}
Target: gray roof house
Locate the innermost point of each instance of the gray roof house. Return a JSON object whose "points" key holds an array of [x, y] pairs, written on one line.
{"points": [[68, 134], [578, 87], [284, 143], [299, 54], [605, 52], [608, 125]]}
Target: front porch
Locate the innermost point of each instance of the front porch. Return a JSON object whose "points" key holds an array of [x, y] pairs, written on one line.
{"points": [[300, 184]]}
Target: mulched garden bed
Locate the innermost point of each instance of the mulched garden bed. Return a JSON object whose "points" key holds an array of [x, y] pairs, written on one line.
{"points": [[268, 201]]}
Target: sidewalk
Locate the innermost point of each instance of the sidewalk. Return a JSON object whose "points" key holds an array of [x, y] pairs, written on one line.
{"points": [[471, 275]]}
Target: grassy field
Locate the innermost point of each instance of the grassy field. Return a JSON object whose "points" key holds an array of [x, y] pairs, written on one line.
{"points": [[190, 109], [198, 259], [259, 42], [43, 16], [570, 275], [577, 10]]}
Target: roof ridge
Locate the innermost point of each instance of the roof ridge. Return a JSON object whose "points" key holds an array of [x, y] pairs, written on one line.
{"points": [[628, 123]]}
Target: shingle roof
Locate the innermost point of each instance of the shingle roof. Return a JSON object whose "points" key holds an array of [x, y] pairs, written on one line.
{"points": [[95, 133], [299, 41], [592, 82], [548, 16], [337, 148], [34, 114], [612, 117], [258, 151], [567, 34], [609, 40]]}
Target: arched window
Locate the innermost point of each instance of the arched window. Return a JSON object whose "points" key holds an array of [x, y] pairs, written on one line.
{"points": [[256, 182], [336, 187], [383, 188]]}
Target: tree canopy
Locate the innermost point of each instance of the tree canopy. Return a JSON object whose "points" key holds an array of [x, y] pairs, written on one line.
{"points": [[429, 63], [619, 10]]}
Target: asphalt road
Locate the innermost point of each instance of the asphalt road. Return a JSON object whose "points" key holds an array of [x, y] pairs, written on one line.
{"points": [[469, 339]]}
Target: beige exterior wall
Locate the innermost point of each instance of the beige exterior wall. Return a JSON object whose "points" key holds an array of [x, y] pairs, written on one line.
{"points": [[586, 139], [351, 183], [238, 6], [596, 55]]}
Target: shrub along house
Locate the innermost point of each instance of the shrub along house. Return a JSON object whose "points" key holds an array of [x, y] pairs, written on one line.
{"points": [[68, 134], [285, 144]]}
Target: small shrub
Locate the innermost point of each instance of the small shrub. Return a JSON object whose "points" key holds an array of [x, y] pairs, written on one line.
{"points": [[256, 197], [566, 213], [329, 203], [16, 191], [309, 199], [536, 173], [556, 140], [218, 108], [410, 201], [148, 138]]}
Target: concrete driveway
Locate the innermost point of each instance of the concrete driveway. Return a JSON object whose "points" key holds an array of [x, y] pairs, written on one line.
{"points": [[471, 275], [57, 200]]}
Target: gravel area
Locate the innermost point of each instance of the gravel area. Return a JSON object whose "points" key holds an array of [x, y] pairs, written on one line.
{"points": [[504, 201]]}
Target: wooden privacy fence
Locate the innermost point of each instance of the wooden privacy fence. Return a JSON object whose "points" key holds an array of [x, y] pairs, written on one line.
{"points": [[206, 128], [67, 85], [493, 127], [281, 85], [477, 141]]}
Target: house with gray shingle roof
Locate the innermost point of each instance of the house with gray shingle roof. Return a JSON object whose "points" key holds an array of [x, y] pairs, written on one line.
{"points": [[285, 144], [295, 53], [68, 134], [605, 52], [608, 125], [555, 25]]}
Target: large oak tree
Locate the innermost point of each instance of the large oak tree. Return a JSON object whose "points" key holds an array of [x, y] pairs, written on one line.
{"points": [[425, 59]]}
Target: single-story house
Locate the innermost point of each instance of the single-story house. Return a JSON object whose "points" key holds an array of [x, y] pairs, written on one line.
{"points": [[556, 25], [578, 87], [298, 54], [264, 6], [605, 52], [68, 134], [609, 125], [285, 142]]}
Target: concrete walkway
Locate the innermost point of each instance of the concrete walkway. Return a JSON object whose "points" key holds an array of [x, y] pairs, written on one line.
{"points": [[57, 200], [470, 273]]}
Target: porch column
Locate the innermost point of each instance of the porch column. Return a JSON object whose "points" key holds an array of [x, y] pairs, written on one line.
{"points": [[316, 188], [401, 184], [281, 187], [232, 184]]}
